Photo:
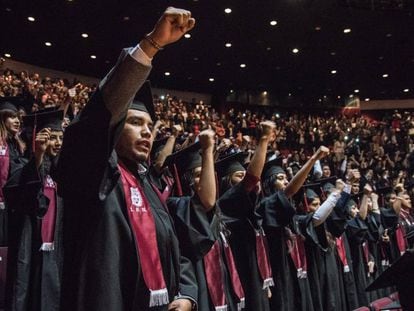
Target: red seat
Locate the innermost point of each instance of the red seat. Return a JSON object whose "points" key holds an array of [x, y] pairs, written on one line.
{"points": [[395, 296], [380, 303], [363, 309]]}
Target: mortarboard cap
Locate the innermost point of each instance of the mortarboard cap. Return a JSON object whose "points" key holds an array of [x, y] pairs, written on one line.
{"points": [[157, 146], [230, 164], [185, 159], [14, 103], [52, 120], [401, 275], [273, 167], [143, 100]]}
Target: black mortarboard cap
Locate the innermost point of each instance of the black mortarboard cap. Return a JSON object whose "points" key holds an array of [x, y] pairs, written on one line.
{"points": [[230, 164], [143, 100], [328, 187], [311, 194], [185, 159], [401, 275], [273, 167], [9, 103], [52, 120]]}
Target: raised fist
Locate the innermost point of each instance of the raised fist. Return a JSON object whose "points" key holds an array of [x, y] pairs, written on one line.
{"points": [[206, 139], [321, 153], [172, 25]]}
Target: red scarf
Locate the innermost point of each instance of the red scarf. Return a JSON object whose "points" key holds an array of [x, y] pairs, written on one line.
{"points": [[144, 230], [401, 241], [235, 279], [4, 170], [49, 220], [263, 260], [215, 278], [298, 255], [340, 246]]}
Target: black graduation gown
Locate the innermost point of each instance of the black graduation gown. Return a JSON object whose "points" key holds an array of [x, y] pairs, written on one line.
{"points": [[241, 218], [197, 231], [277, 213], [389, 221], [357, 235], [34, 276], [326, 285], [16, 161], [102, 270]]}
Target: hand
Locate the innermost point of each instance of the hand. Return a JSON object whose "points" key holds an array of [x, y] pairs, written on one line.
{"points": [[374, 196], [367, 190], [385, 237], [172, 25], [180, 305], [246, 139], [176, 130], [72, 92], [268, 130], [321, 153], [371, 266], [340, 185], [206, 139], [42, 141], [353, 176]]}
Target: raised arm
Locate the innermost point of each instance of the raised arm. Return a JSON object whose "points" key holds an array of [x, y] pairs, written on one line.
{"points": [[298, 180], [207, 186]]}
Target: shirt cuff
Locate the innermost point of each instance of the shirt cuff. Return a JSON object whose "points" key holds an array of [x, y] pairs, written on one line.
{"points": [[139, 55], [193, 302]]}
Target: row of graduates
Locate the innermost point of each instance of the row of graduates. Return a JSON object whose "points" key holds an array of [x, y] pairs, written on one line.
{"points": [[249, 245], [103, 228]]}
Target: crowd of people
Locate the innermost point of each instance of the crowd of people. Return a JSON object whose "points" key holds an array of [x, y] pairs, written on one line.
{"points": [[113, 199]]}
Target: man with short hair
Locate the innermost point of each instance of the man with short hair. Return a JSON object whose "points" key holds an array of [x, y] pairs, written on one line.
{"points": [[121, 250]]}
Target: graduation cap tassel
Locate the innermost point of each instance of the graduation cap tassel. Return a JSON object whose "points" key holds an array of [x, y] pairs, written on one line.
{"points": [[217, 185], [323, 194], [178, 181]]}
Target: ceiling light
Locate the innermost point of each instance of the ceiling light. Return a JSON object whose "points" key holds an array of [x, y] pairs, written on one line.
{"points": [[85, 35], [318, 28], [367, 99], [339, 96], [228, 45], [385, 75], [126, 18], [333, 72], [211, 79], [187, 35], [31, 19], [48, 44], [273, 23], [265, 93], [7, 55], [93, 56], [268, 48], [351, 95], [227, 11], [231, 91], [167, 73], [389, 35], [290, 94], [333, 53], [242, 65], [347, 30], [406, 90], [356, 91], [295, 51]]}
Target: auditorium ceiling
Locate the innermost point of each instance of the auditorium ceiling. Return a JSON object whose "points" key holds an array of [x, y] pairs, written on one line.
{"points": [[303, 48]]}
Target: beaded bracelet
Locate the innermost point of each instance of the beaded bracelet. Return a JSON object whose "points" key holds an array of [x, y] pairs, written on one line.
{"points": [[153, 43]]}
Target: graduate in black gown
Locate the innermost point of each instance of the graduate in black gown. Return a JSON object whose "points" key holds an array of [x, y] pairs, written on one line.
{"points": [[121, 249], [239, 202], [35, 217], [12, 150], [287, 255], [200, 228]]}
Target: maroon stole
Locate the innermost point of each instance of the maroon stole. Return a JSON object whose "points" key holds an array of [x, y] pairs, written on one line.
{"points": [[400, 236], [144, 230], [234, 275], [340, 247], [262, 252], [298, 254], [165, 194], [4, 170], [215, 277], [49, 220]]}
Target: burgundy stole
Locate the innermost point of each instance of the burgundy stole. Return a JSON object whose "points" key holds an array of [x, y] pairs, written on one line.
{"points": [[215, 277], [49, 220], [340, 246], [298, 255], [263, 259], [144, 230], [234, 275]]}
